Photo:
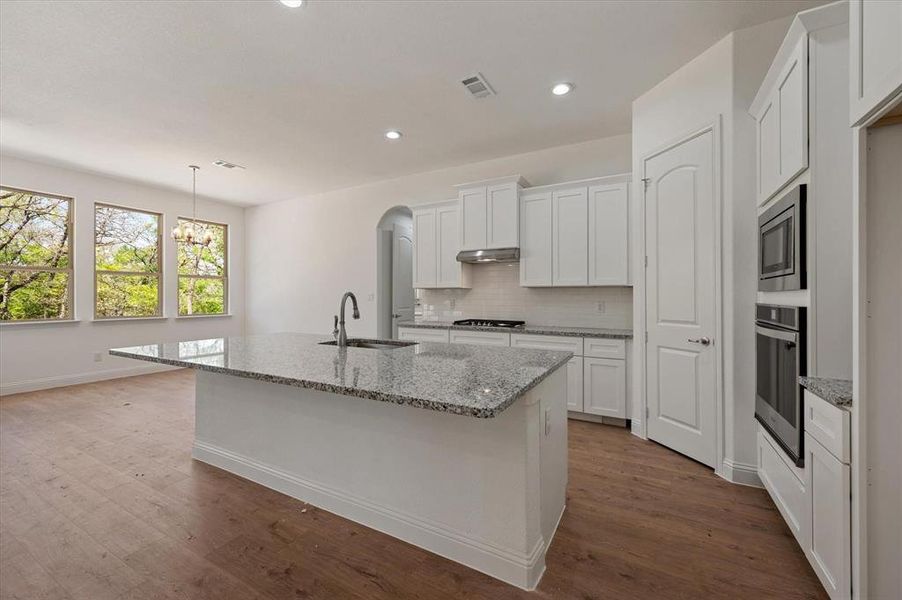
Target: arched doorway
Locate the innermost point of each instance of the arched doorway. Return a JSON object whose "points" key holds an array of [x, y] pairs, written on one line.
{"points": [[395, 296]]}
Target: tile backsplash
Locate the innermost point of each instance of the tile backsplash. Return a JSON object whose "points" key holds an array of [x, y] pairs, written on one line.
{"points": [[496, 294]]}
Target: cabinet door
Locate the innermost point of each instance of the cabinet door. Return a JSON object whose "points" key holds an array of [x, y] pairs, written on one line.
{"points": [[535, 240], [609, 224], [875, 45], [570, 237], [575, 384], [792, 91], [473, 219], [480, 338], [768, 130], [830, 551], [417, 334], [425, 268], [502, 208], [604, 382], [447, 243]]}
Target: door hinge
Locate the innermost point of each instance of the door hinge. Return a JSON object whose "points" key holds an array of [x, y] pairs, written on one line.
{"points": [[646, 261], [647, 413], [646, 181], [646, 337]]}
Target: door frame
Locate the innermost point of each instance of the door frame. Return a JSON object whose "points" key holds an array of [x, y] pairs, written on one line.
{"points": [[639, 426]]}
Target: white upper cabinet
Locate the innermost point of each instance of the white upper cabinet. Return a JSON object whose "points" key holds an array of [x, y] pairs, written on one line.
{"points": [[609, 225], [875, 30], [436, 242], [535, 239], [489, 213], [781, 115], [570, 237]]}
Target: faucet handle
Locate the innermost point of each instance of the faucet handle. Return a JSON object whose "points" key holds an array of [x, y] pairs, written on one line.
{"points": [[335, 328]]}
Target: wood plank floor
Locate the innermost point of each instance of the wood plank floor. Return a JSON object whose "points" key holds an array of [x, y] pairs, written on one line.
{"points": [[99, 498]]}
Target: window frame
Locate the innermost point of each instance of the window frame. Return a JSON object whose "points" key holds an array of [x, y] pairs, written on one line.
{"points": [[70, 251], [159, 274], [225, 270]]}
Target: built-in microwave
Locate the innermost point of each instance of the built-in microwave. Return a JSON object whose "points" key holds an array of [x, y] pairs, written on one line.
{"points": [[781, 244]]}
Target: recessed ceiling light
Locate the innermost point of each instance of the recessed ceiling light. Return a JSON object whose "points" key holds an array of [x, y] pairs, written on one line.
{"points": [[561, 89], [292, 3], [393, 134]]}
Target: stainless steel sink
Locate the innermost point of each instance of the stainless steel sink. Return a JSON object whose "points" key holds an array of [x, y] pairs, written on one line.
{"points": [[372, 344]]}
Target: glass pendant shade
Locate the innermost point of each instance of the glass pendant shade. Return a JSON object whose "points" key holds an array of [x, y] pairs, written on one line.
{"points": [[177, 233]]}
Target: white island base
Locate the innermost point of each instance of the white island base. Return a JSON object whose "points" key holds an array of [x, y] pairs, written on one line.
{"points": [[487, 493]]}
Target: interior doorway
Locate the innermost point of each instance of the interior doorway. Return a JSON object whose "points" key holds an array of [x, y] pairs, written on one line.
{"points": [[395, 298]]}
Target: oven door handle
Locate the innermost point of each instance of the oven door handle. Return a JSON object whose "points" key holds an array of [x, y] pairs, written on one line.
{"points": [[789, 336]]}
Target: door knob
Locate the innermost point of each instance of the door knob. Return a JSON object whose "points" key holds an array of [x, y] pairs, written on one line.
{"points": [[704, 341]]}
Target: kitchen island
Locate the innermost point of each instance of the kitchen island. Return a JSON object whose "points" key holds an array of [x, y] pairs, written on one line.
{"points": [[461, 450]]}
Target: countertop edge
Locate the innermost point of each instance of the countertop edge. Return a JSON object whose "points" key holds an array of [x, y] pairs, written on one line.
{"points": [[837, 392], [613, 334], [467, 411]]}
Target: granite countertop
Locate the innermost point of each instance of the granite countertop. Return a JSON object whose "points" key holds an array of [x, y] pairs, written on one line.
{"points": [[593, 332], [837, 392], [467, 380]]}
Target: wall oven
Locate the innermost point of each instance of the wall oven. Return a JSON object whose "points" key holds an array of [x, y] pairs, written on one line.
{"points": [[780, 360], [781, 244]]}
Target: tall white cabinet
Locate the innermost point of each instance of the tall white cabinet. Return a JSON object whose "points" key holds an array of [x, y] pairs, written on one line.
{"points": [[436, 242], [575, 234], [489, 213], [875, 30]]}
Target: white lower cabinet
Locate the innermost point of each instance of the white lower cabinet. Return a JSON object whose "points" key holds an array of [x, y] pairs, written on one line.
{"points": [[830, 547], [480, 338], [786, 484], [417, 334], [604, 387], [575, 384]]}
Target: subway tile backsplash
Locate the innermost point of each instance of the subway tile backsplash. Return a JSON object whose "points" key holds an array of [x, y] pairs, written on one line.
{"points": [[496, 294]]}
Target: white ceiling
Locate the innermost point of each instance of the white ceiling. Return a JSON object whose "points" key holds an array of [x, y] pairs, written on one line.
{"points": [[301, 97]]}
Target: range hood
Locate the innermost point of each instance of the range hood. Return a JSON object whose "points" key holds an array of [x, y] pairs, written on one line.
{"points": [[489, 256]]}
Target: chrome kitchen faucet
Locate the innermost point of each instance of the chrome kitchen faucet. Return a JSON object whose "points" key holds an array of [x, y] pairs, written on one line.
{"points": [[339, 332]]}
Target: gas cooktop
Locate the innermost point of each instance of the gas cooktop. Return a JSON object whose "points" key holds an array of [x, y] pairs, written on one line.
{"points": [[490, 323]]}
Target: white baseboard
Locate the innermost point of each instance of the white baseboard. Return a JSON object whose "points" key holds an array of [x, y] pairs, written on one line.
{"points": [[44, 383], [741, 473], [516, 568]]}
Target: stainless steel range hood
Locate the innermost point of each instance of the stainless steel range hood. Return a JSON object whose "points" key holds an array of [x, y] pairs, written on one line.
{"points": [[489, 256]]}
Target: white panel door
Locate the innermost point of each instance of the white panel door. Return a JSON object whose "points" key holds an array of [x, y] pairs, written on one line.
{"points": [[792, 91], [402, 294], [768, 128], [502, 206], [447, 230], [680, 297], [604, 383], [535, 240], [875, 45], [609, 225], [570, 237], [473, 235], [424, 248], [575, 384]]}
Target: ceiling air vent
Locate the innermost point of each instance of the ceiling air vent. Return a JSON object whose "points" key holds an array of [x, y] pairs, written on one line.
{"points": [[478, 86], [226, 165]]}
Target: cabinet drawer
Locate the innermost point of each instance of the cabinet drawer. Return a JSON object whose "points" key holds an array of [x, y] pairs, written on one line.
{"points": [[480, 338], [829, 425], [604, 387], [416, 334], [605, 348], [786, 485], [548, 342]]}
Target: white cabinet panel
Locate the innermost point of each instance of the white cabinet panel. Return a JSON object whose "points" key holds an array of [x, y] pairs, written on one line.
{"points": [[535, 240], [793, 101], [609, 234], [480, 338], [449, 271], [417, 334], [829, 425], [474, 233], [875, 44], [768, 148], [548, 342], [502, 214], [424, 248], [570, 237], [786, 485], [604, 385], [830, 551], [605, 348], [575, 384]]}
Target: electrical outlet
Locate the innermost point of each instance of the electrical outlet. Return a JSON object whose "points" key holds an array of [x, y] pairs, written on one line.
{"points": [[371, 297], [451, 303], [601, 307], [98, 357]]}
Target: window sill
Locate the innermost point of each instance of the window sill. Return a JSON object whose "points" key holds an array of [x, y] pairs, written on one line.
{"points": [[218, 316], [13, 324], [121, 319]]}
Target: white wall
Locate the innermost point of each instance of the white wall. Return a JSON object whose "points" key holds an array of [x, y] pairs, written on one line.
{"points": [[308, 251], [34, 356], [718, 86]]}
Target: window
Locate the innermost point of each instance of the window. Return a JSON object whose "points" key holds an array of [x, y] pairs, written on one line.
{"points": [[35, 256], [127, 263], [203, 271]]}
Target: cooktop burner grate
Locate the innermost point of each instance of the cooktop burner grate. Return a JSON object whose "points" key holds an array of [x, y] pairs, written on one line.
{"points": [[490, 323]]}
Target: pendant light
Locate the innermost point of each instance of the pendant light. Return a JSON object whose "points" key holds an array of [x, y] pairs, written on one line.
{"points": [[189, 234]]}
